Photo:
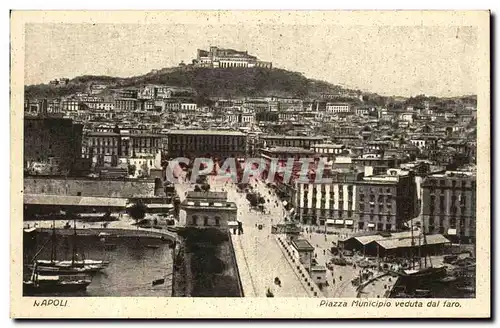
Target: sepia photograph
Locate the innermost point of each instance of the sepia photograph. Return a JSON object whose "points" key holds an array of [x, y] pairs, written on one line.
{"points": [[182, 155]]}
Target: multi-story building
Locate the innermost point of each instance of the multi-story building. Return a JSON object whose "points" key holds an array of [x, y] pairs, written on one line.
{"points": [[246, 118], [328, 150], [188, 107], [208, 143], [207, 210], [291, 141], [96, 88], [316, 203], [375, 164], [386, 202], [172, 106], [104, 105], [424, 141], [35, 107], [227, 58], [337, 108], [52, 145], [127, 93], [125, 104], [449, 204], [122, 143], [70, 105]]}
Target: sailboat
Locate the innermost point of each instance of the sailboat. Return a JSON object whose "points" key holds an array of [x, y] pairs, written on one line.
{"points": [[41, 283], [64, 267], [423, 273]]}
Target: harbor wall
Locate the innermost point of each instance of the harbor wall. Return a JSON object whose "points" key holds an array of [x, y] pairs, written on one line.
{"points": [[193, 278], [89, 187]]}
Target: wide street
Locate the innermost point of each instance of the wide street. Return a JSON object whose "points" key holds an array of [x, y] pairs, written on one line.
{"points": [[259, 257], [339, 280]]}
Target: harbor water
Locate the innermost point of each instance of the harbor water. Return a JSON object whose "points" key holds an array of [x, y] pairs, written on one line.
{"points": [[134, 263]]}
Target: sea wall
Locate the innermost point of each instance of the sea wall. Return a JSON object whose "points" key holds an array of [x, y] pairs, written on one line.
{"points": [[89, 187]]}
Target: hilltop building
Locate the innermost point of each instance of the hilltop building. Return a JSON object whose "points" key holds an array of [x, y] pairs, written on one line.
{"points": [[227, 58]]}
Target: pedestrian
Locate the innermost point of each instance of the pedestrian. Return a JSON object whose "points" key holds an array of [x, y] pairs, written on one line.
{"points": [[340, 278], [324, 252], [334, 281]]}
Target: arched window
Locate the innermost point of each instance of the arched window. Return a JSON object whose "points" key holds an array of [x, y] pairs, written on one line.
{"points": [[205, 220]]}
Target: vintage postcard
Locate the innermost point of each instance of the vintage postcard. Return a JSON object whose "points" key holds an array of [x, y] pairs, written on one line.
{"points": [[250, 164]]}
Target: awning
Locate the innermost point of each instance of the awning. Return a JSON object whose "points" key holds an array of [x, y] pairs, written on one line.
{"points": [[292, 211], [452, 231], [232, 223], [330, 221], [339, 221], [371, 225], [349, 222]]}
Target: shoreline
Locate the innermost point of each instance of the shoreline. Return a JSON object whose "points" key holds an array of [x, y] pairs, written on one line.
{"points": [[114, 232]]}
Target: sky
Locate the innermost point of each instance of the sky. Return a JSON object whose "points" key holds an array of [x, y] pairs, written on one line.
{"points": [[389, 60]]}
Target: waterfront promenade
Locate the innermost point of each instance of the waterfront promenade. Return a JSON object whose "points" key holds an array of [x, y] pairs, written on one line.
{"points": [[121, 228]]}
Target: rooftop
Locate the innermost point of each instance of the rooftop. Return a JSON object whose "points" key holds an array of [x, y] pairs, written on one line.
{"points": [[207, 132], [326, 145], [454, 174], [293, 137], [302, 245], [298, 150], [37, 199], [212, 195], [407, 242]]}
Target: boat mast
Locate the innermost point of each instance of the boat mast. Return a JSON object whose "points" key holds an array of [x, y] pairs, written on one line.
{"points": [[419, 250], [53, 253], [73, 256], [412, 245]]}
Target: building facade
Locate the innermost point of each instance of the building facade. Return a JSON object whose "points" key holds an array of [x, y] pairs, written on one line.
{"points": [[386, 202], [207, 210], [335, 108], [290, 141], [122, 143], [51, 145], [207, 143], [449, 205], [317, 203], [227, 58]]}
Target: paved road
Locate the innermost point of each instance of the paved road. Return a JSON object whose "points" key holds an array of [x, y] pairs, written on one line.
{"points": [[259, 257], [342, 275]]}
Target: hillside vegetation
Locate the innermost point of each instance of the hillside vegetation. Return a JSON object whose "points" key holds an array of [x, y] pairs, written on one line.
{"points": [[207, 82]]}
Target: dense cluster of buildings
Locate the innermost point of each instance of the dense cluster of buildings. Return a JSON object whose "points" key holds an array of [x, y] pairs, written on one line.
{"points": [[387, 164]]}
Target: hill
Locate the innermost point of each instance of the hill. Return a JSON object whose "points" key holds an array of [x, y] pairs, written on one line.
{"points": [[207, 82]]}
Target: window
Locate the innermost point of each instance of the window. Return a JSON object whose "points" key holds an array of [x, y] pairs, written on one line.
{"points": [[195, 220], [205, 220]]}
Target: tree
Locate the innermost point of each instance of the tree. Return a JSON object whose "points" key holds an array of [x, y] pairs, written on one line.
{"points": [[137, 211], [197, 188], [205, 187]]}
